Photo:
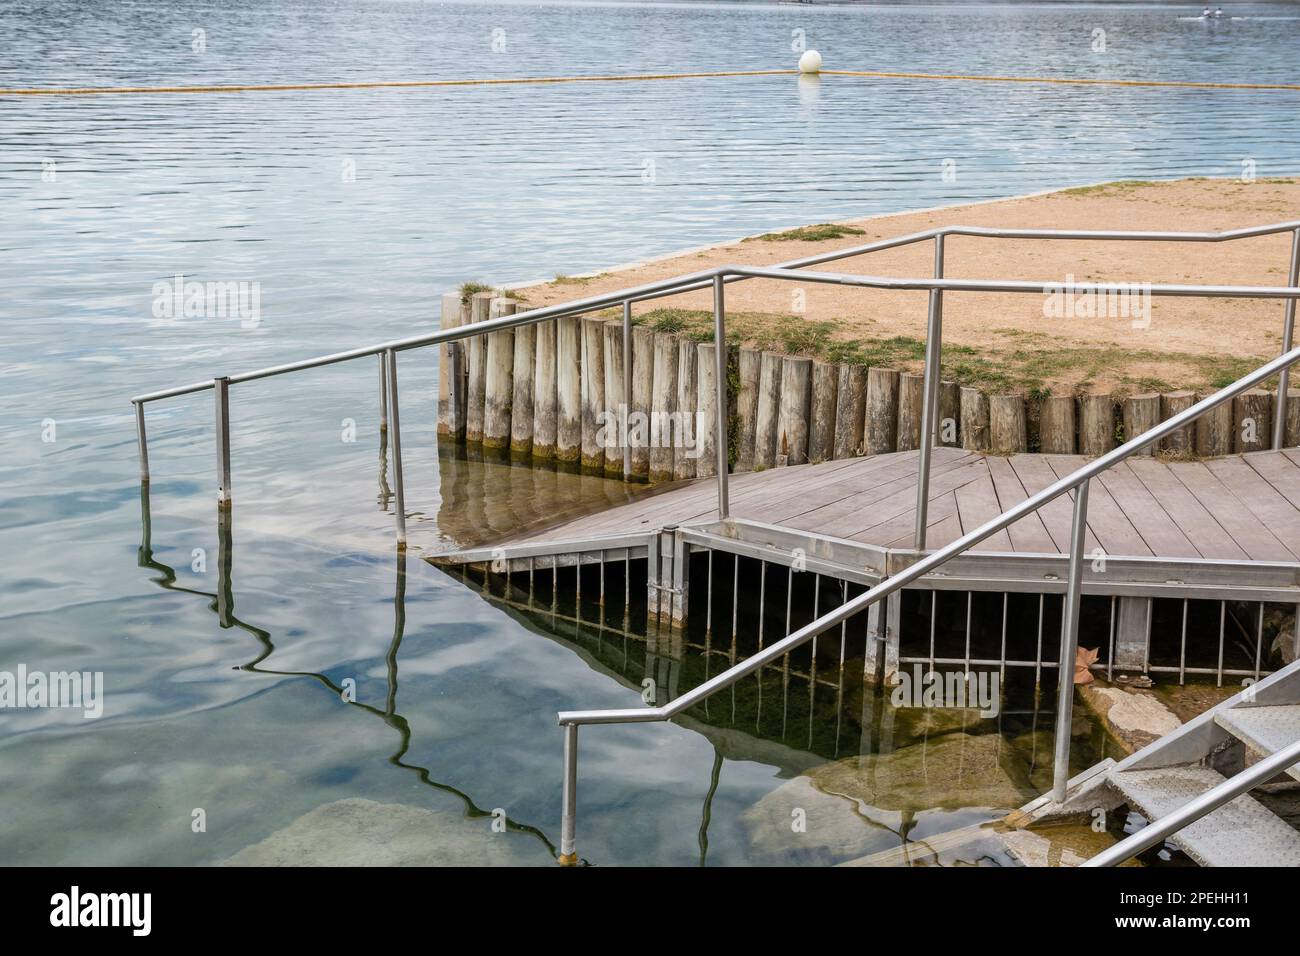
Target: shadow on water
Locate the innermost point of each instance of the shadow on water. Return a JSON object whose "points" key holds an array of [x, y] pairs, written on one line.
{"points": [[222, 603]]}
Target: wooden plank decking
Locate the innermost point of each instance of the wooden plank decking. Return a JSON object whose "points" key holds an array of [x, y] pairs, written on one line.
{"points": [[1245, 507]]}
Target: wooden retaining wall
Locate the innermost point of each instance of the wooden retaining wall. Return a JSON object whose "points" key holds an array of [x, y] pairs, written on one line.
{"points": [[552, 395]]}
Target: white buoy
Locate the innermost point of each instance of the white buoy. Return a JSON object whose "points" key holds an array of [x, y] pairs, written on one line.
{"points": [[810, 62]]}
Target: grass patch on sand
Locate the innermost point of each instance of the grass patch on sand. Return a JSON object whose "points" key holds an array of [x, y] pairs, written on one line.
{"points": [[817, 233], [1027, 363]]}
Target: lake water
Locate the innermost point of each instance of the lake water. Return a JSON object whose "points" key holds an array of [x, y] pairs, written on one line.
{"points": [[352, 211]]}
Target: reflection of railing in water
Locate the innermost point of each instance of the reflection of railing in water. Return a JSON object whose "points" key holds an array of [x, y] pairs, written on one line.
{"points": [[223, 603]]}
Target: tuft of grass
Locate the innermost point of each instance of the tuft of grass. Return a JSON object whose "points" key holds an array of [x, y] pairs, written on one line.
{"points": [[818, 233], [468, 289], [1119, 185]]}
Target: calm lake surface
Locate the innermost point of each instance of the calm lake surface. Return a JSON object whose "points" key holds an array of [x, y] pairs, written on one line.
{"points": [[352, 211]]}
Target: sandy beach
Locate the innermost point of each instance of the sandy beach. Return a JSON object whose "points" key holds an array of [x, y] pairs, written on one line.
{"points": [[1004, 340]]}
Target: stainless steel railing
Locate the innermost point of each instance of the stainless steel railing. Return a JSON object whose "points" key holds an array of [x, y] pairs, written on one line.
{"points": [[1077, 481], [717, 278]]}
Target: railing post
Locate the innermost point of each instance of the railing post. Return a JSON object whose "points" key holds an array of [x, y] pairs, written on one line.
{"points": [[930, 398], [383, 393], [142, 442], [720, 382], [627, 388], [395, 432], [1069, 641], [1288, 331], [568, 823], [221, 397]]}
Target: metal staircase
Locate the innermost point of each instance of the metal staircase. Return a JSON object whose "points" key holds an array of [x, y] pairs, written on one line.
{"points": [[1193, 784]]}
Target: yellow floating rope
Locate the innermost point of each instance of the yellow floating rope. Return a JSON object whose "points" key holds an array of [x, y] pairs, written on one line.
{"points": [[515, 81]]}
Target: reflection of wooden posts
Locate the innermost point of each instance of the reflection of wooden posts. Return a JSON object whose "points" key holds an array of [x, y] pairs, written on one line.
{"points": [[612, 357], [851, 402], [768, 415], [821, 426], [643, 370], [1096, 424], [687, 437], [1214, 431], [525, 388], [451, 375], [881, 430], [706, 406], [1182, 442], [593, 392], [749, 363], [499, 385], [1141, 414], [663, 398], [480, 305], [1009, 432], [974, 420], [568, 380], [1253, 420], [1056, 425], [545, 401], [796, 399]]}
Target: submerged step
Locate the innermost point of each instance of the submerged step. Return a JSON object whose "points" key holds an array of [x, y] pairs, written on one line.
{"points": [[1243, 832], [1265, 730]]}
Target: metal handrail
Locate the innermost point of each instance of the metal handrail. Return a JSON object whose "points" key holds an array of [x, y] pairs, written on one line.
{"points": [[1078, 479], [1157, 830]]}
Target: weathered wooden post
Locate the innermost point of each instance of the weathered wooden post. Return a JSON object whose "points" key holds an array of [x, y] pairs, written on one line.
{"points": [[796, 400], [684, 464], [1096, 424], [592, 392], [499, 386], [880, 431], [1141, 414], [948, 424], [1214, 431], [821, 431], [768, 417], [663, 400], [749, 368], [545, 397], [851, 403], [525, 390], [643, 368], [480, 305], [911, 398], [706, 406], [1253, 414], [974, 420], [1291, 436], [568, 387], [1056, 425], [451, 370], [1007, 424], [1182, 442], [615, 385]]}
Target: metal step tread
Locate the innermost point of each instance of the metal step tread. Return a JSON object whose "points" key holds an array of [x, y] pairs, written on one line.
{"points": [[1265, 729], [1242, 832]]}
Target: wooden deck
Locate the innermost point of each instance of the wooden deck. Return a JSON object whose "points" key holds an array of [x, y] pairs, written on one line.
{"points": [[1245, 507]]}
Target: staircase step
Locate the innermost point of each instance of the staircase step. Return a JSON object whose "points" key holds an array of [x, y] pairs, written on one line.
{"points": [[1265, 730], [1242, 832]]}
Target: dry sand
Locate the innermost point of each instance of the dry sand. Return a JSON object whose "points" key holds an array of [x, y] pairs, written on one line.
{"points": [[1190, 343]]}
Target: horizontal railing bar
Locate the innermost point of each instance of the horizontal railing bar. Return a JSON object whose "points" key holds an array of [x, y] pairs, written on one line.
{"points": [[1156, 831], [702, 280], [937, 558]]}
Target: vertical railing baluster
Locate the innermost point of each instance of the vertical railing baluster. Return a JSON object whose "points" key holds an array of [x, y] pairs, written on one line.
{"points": [[929, 400], [142, 441], [720, 382], [569, 805], [1069, 641], [1288, 333], [221, 396], [395, 433]]}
